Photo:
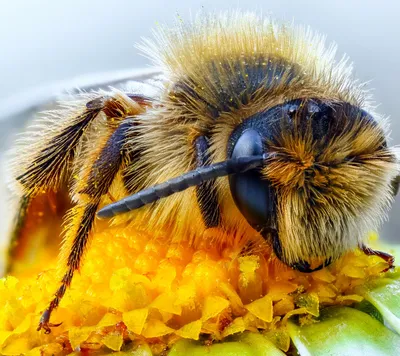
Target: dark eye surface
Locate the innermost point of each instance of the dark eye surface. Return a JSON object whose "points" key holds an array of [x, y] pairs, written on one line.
{"points": [[252, 195]]}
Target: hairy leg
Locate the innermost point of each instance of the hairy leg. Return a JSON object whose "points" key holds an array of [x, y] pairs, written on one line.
{"points": [[44, 160], [46, 163], [301, 265], [97, 178], [71, 143]]}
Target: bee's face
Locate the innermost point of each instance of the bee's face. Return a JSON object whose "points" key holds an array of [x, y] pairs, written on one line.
{"points": [[327, 179]]}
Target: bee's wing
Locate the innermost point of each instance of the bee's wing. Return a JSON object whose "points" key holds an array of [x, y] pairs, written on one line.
{"points": [[17, 110]]}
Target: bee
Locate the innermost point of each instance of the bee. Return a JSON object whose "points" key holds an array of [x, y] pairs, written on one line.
{"points": [[251, 128]]}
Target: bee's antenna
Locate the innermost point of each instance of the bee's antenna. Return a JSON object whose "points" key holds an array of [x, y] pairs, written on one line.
{"points": [[178, 184]]}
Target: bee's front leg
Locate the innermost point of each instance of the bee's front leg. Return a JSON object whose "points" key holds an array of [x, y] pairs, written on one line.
{"points": [[301, 265], [387, 257]]}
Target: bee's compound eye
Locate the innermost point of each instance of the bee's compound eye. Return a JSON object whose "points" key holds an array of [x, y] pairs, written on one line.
{"points": [[253, 195], [300, 115], [325, 120]]}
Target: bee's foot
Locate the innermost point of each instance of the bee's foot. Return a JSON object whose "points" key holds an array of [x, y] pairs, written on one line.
{"points": [[387, 257], [304, 266], [44, 323], [390, 262], [46, 327]]}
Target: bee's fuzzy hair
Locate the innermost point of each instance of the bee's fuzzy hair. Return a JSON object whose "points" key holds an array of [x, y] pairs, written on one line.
{"points": [[185, 50], [218, 70], [208, 91]]}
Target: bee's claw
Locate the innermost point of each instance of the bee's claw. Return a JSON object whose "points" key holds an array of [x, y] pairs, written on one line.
{"points": [[44, 323], [46, 327], [391, 266], [388, 258]]}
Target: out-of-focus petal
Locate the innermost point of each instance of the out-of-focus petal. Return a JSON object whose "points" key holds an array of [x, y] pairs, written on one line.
{"points": [[246, 344], [342, 331]]}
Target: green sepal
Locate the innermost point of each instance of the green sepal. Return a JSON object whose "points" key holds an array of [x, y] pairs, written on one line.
{"points": [[384, 295], [342, 331], [245, 344], [368, 308]]}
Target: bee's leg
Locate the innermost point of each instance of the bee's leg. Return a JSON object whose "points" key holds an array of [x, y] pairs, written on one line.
{"points": [[83, 215], [42, 212], [18, 225], [304, 266], [99, 176], [301, 265], [206, 192], [49, 164], [387, 257], [103, 103]]}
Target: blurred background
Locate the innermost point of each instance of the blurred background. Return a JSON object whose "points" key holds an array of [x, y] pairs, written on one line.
{"points": [[50, 45]]}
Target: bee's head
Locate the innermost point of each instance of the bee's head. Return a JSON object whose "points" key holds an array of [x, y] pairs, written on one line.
{"points": [[312, 176], [327, 180]]}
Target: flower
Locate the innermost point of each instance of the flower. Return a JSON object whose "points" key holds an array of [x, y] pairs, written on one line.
{"points": [[140, 295]]}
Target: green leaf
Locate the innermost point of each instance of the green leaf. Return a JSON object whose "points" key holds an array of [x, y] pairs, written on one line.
{"points": [[245, 344], [342, 331], [384, 295]]}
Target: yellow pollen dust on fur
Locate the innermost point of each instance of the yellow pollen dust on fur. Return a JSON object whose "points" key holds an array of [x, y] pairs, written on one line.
{"points": [[136, 289]]}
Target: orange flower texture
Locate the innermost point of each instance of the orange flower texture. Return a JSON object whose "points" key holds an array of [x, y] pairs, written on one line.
{"points": [[137, 292]]}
